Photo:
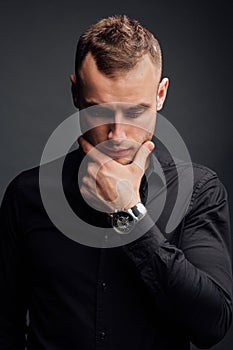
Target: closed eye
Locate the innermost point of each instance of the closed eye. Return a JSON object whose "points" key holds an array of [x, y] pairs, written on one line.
{"points": [[135, 112], [99, 112]]}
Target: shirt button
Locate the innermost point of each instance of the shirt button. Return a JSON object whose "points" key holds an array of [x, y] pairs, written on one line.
{"points": [[104, 285], [102, 335]]}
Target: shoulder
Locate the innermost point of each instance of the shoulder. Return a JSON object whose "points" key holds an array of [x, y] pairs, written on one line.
{"points": [[27, 183], [202, 174], [191, 184], [24, 184], [208, 189]]}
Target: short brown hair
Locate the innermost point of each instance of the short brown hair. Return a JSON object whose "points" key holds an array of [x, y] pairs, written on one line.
{"points": [[117, 43]]}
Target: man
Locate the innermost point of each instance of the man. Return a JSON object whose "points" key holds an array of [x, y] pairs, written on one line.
{"points": [[158, 291]]}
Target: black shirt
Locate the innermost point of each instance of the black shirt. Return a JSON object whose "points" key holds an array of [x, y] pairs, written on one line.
{"points": [[159, 292]]}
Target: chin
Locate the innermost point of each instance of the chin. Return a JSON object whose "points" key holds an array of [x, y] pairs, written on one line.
{"points": [[123, 161]]}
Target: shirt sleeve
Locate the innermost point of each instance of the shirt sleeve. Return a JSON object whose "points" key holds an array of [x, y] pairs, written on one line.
{"points": [[192, 285], [12, 273]]}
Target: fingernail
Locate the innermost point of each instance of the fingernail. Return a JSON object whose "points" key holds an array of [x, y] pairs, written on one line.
{"points": [[151, 146]]}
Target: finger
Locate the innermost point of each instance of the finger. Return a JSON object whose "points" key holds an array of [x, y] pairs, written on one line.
{"points": [[87, 182], [92, 169], [92, 151], [142, 154]]}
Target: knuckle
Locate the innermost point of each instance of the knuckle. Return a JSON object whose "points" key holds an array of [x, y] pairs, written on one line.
{"points": [[85, 180], [82, 190], [89, 169]]}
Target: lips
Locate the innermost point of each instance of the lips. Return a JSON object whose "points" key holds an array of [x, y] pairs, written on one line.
{"points": [[116, 152]]}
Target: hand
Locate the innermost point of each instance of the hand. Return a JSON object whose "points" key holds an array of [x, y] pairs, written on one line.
{"points": [[108, 185]]}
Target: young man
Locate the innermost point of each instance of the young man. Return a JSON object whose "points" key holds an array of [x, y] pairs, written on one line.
{"points": [[158, 291]]}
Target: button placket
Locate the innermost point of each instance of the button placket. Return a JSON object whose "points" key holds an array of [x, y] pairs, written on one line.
{"points": [[101, 327]]}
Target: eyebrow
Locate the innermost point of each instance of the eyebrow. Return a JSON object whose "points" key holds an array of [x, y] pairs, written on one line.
{"points": [[138, 106], [94, 103], [89, 103]]}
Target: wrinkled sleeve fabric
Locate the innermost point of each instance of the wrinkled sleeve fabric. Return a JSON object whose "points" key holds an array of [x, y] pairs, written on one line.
{"points": [[192, 284], [12, 273]]}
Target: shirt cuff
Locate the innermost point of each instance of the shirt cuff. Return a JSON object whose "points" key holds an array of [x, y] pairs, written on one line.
{"points": [[148, 243]]}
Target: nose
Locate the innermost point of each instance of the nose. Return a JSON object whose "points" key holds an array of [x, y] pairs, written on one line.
{"points": [[117, 129]]}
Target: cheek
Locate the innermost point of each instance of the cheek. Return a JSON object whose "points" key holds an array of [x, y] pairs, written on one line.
{"points": [[96, 135], [139, 135], [143, 129]]}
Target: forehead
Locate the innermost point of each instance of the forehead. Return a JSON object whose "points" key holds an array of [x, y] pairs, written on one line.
{"points": [[137, 84]]}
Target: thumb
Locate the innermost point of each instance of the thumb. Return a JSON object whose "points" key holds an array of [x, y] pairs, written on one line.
{"points": [[143, 153]]}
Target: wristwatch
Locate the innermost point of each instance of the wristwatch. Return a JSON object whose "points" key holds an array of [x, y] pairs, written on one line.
{"points": [[123, 221]]}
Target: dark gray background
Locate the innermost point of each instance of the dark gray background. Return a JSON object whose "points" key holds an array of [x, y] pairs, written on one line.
{"points": [[38, 40]]}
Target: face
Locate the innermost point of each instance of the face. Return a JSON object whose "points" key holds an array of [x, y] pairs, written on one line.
{"points": [[119, 113]]}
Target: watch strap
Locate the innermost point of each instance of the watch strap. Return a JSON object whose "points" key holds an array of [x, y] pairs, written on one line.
{"points": [[138, 211]]}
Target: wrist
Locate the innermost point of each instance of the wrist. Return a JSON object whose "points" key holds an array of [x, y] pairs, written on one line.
{"points": [[134, 202], [123, 221]]}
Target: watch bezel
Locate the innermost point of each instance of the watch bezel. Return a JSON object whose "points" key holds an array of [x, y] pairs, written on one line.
{"points": [[134, 214], [123, 228]]}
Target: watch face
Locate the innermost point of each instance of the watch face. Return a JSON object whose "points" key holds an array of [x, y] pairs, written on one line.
{"points": [[123, 222]]}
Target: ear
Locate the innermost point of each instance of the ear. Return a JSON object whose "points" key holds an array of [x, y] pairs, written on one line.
{"points": [[162, 92], [74, 89]]}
